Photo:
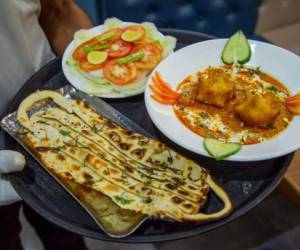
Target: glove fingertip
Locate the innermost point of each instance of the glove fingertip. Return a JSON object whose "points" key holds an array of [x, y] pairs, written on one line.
{"points": [[20, 162], [8, 195]]}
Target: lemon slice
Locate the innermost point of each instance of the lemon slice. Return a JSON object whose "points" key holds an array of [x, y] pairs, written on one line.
{"points": [[96, 57], [131, 36]]}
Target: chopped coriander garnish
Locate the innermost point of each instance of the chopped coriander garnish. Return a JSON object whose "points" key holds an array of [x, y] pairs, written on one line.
{"points": [[273, 89], [122, 200], [71, 63], [255, 70], [96, 130], [203, 115], [64, 132], [43, 122]]}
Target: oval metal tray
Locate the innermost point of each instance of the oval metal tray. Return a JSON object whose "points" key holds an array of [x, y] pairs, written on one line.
{"points": [[246, 183]]}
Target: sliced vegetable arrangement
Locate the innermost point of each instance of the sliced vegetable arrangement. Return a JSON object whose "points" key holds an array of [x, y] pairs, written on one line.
{"points": [[162, 91], [119, 59]]}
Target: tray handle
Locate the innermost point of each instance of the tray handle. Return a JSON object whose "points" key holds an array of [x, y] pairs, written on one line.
{"points": [[29, 101], [220, 194]]}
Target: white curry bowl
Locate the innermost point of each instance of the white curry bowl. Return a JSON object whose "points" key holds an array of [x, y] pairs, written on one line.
{"points": [[276, 61]]}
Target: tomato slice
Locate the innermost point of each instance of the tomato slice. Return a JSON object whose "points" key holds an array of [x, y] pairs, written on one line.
{"points": [[149, 40], [109, 36], [101, 39], [79, 53], [119, 48], [152, 56], [86, 66], [119, 74]]}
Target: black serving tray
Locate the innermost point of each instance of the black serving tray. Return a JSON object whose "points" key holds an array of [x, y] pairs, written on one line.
{"points": [[247, 183]]}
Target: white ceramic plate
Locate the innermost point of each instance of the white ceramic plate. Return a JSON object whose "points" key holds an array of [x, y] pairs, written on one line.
{"points": [[76, 81], [280, 63]]}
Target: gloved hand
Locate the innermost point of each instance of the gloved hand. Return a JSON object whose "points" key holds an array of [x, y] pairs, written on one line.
{"points": [[10, 161]]}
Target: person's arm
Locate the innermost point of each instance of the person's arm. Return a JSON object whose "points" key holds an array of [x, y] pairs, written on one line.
{"points": [[60, 19]]}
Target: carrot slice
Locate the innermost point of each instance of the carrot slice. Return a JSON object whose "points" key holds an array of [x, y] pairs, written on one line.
{"points": [[293, 102], [157, 91], [163, 85], [158, 85], [294, 109], [163, 100], [163, 89], [294, 97]]}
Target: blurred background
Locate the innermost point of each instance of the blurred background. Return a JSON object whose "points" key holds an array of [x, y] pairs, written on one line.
{"points": [[278, 21], [275, 223]]}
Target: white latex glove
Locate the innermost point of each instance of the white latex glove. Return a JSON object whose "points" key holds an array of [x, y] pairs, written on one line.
{"points": [[10, 161]]}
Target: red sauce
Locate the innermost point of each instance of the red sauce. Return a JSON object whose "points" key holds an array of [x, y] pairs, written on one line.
{"points": [[227, 116]]}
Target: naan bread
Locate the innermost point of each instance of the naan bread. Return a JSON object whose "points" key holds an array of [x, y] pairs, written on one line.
{"points": [[138, 173]]}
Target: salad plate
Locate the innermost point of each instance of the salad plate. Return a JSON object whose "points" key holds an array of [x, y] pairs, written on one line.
{"points": [[125, 59], [266, 59]]}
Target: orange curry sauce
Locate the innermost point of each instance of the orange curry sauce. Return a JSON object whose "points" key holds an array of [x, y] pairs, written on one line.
{"points": [[224, 123]]}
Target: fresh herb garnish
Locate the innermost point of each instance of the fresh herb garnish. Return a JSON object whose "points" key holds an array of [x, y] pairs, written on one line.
{"points": [[147, 182], [106, 172], [122, 200], [71, 63], [203, 125], [142, 175], [164, 165], [96, 130], [64, 132], [257, 70], [170, 158], [203, 115], [43, 122], [273, 89], [55, 149], [147, 200]]}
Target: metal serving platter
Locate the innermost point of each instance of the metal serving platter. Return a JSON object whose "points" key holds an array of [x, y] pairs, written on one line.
{"points": [[11, 125], [246, 183]]}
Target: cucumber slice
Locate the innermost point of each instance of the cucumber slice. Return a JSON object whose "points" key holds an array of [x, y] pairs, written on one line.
{"points": [[131, 58], [106, 36], [220, 150], [237, 49], [96, 47]]}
